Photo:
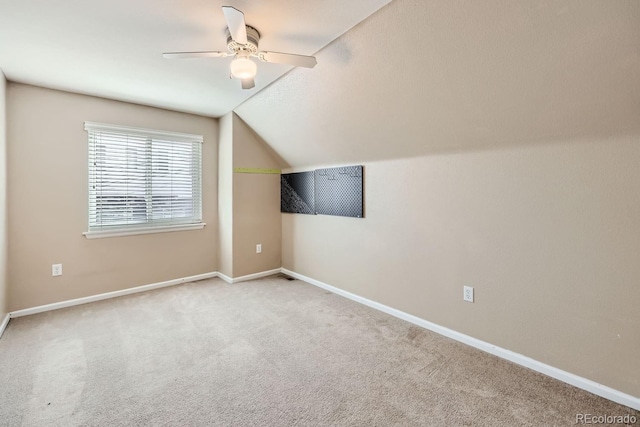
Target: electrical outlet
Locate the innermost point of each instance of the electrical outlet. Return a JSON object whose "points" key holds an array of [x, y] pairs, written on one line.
{"points": [[467, 294], [259, 248], [56, 270]]}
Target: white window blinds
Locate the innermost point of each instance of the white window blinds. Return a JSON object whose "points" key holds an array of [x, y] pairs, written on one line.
{"points": [[143, 178]]}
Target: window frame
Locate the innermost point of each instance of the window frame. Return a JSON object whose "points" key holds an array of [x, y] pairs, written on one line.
{"points": [[152, 226]]}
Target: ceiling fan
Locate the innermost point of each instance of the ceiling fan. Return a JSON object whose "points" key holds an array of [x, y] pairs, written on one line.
{"points": [[242, 43]]}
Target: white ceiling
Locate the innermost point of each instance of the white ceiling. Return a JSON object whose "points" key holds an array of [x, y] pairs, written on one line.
{"points": [[113, 48], [426, 76]]}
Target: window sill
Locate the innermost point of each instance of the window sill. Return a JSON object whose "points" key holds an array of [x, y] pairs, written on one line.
{"points": [[141, 230]]}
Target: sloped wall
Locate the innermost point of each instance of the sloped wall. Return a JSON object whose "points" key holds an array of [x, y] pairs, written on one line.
{"points": [[500, 145]]}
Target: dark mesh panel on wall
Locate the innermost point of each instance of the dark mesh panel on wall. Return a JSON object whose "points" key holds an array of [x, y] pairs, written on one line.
{"points": [[297, 193], [339, 191]]}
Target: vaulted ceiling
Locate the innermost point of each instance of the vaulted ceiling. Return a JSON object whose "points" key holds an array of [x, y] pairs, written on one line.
{"points": [[113, 49], [428, 76], [394, 78]]}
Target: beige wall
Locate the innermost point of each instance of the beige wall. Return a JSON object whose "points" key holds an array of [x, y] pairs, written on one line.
{"points": [[4, 306], [548, 236], [256, 204], [225, 195], [47, 199], [547, 230], [248, 203]]}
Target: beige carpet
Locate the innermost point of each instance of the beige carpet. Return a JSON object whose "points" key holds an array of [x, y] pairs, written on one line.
{"points": [[269, 352]]}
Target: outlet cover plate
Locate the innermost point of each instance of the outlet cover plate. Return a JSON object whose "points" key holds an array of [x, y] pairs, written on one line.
{"points": [[467, 294], [56, 270]]}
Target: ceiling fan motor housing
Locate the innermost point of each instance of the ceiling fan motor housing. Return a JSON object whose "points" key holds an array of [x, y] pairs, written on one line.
{"points": [[251, 48]]}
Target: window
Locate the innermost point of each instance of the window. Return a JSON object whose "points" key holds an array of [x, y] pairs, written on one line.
{"points": [[142, 181]]}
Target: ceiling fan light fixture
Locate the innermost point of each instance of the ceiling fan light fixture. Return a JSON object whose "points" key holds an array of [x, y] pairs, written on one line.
{"points": [[242, 43], [243, 68]]}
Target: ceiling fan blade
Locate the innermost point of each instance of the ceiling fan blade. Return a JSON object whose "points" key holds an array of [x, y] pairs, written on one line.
{"points": [[184, 55], [288, 58], [248, 83], [235, 23]]}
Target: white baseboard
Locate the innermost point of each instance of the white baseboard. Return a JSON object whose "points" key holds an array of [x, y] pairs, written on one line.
{"points": [[232, 280], [527, 362], [226, 278], [567, 377], [114, 294], [4, 324]]}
